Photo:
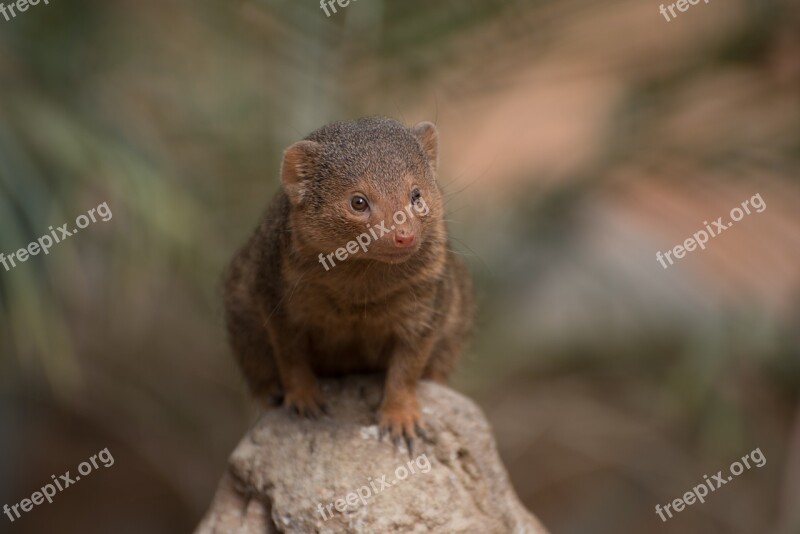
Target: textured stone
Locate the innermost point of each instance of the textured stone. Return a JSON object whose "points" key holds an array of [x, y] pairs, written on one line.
{"points": [[286, 467]]}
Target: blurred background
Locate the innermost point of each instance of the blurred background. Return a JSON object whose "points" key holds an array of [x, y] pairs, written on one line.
{"points": [[579, 138]]}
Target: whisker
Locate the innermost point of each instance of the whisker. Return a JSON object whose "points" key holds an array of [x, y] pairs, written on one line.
{"points": [[284, 296], [475, 254]]}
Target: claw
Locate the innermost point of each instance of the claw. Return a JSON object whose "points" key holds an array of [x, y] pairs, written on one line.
{"points": [[410, 446], [402, 422], [308, 405]]}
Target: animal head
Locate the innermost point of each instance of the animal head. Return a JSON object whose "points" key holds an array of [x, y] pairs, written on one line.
{"points": [[367, 187]]}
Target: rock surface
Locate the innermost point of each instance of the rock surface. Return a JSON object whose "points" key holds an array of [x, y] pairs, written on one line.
{"points": [[287, 474]]}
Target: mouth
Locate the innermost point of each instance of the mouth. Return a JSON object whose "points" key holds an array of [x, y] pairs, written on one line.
{"points": [[396, 256]]}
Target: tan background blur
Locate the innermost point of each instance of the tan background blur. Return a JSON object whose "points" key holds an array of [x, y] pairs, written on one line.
{"points": [[579, 138]]}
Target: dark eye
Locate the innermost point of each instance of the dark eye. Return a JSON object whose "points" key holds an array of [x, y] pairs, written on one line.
{"points": [[415, 195], [359, 203]]}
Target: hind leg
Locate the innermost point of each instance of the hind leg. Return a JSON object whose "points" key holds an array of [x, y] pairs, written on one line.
{"points": [[302, 393], [443, 360], [262, 377], [254, 354]]}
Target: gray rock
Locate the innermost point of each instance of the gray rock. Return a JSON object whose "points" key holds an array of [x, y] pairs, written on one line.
{"points": [[287, 473]]}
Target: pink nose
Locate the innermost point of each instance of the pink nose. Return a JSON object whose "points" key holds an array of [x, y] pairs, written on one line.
{"points": [[403, 238]]}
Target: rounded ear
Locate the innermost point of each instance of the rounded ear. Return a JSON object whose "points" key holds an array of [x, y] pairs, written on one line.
{"points": [[428, 137], [296, 168]]}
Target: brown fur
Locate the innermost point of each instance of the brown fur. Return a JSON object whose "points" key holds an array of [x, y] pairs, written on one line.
{"points": [[290, 320]]}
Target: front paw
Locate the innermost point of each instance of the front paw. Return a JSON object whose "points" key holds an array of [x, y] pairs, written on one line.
{"points": [[306, 402], [401, 420]]}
